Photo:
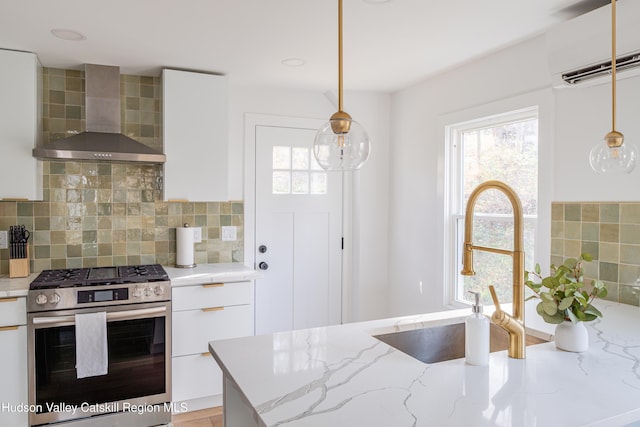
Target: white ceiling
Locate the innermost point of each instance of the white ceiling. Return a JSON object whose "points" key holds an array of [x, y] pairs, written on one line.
{"points": [[387, 46]]}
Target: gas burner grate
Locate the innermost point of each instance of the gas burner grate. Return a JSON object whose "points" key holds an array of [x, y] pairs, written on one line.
{"points": [[142, 273], [74, 277], [61, 278]]}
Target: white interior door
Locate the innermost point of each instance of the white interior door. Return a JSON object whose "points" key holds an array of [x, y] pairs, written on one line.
{"points": [[298, 233]]}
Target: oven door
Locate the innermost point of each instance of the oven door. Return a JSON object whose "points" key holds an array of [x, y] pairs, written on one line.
{"points": [[139, 368]]}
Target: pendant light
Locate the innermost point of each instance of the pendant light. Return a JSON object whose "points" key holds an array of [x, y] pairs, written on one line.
{"points": [[341, 144], [613, 155]]}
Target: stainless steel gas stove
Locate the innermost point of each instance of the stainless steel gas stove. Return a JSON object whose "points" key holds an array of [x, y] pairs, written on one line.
{"points": [[100, 286], [136, 390]]}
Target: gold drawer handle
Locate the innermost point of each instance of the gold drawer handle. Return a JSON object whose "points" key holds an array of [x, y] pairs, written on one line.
{"points": [[8, 328], [213, 285], [213, 309], [205, 354], [8, 299]]}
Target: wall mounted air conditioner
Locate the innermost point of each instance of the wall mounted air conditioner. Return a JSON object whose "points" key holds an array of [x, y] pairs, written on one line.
{"points": [[580, 49]]}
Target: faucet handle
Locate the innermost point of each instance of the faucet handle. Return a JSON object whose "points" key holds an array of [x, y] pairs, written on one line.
{"points": [[494, 297]]}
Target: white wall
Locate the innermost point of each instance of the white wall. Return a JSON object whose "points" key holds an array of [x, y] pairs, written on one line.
{"points": [[416, 252], [367, 296], [371, 200]]}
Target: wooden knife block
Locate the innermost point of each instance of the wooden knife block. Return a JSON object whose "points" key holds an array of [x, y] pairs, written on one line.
{"points": [[19, 267]]}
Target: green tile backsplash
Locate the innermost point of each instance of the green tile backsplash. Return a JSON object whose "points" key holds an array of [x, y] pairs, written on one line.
{"points": [[610, 232], [90, 234], [102, 214]]}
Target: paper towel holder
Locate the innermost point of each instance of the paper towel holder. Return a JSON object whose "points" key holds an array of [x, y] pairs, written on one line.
{"points": [[184, 263]]}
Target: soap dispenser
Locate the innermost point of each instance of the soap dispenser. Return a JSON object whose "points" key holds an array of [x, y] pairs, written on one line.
{"points": [[477, 335]]}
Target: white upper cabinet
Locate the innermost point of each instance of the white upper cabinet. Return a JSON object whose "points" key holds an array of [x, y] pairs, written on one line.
{"points": [[195, 136], [20, 129]]}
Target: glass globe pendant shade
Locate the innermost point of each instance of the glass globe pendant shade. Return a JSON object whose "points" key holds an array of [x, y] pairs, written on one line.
{"points": [[341, 144], [613, 156]]}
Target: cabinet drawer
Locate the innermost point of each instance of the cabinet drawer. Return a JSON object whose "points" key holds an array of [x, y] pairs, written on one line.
{"points": [[192, 330], [13, 311], [211, 295], [195, 376]]}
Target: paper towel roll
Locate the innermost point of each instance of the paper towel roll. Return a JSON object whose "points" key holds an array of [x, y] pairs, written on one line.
{"points": [[185, 257]]}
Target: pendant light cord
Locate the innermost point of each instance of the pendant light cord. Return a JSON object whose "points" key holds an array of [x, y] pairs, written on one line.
{"points": [[340, 55], [613, 64]]}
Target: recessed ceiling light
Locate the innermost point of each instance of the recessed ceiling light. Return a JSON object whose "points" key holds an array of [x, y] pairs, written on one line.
{"points": [[66, 34], [294, 62]]}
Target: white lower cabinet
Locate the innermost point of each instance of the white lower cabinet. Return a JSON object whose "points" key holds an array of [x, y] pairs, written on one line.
{"points": [[204, 325], [195, 376], [202, 313], [13, 362]]}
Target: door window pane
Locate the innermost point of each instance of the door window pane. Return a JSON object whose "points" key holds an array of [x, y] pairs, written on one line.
{"points": [[300, 183], [300, 158], [281, 157], [281, 182]]}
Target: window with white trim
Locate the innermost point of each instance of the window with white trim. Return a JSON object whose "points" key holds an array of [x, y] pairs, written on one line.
{"points": [[502, 147]]}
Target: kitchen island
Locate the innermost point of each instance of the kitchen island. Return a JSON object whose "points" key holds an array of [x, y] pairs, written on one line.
{"points": [[343, 376]]}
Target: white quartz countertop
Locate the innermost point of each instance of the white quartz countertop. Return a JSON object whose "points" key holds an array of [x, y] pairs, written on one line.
{"points": [[16, 287], [232, 272], [229, 272], [342, 376]]}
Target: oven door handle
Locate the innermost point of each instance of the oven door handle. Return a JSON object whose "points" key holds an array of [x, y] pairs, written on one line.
{"points": [[111, 316]]}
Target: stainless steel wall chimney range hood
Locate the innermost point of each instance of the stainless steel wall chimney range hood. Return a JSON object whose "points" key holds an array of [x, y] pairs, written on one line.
{"points": [[102, 140]]}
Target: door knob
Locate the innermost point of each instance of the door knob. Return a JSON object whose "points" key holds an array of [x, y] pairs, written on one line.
{"points": [[262, 249], [263, 265]]}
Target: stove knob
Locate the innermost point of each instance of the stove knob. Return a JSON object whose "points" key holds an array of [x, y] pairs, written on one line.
{"points": [[41, 299], [148, 292], [158, 291], [55, 298], [137, 293]]}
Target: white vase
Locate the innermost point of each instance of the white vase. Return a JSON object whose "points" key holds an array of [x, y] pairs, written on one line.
{"points": [[571, 336]]}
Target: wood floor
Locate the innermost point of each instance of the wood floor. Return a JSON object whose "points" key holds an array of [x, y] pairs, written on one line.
{"points": [[204, 418]]}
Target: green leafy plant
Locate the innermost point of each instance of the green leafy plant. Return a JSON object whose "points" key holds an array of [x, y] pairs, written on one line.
{"points": [[563, 295]]}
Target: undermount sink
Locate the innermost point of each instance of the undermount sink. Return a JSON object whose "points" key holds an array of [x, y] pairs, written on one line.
{"points": [[440, 343]]}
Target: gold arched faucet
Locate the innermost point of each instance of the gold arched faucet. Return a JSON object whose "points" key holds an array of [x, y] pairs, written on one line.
{"points": [[513, 324]]}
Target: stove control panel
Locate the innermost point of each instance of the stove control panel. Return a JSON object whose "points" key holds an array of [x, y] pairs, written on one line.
{"points": [[45, 300], [114, 294], [148, 291], [97, 296]]}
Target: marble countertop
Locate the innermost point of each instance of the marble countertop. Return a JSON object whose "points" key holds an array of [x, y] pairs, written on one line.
{"points": [[18, 287], [342, 376], [232, 272]]}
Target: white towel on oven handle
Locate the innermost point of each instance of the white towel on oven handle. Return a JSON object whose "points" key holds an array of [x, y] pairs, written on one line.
{"points": [[92, 353]]}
